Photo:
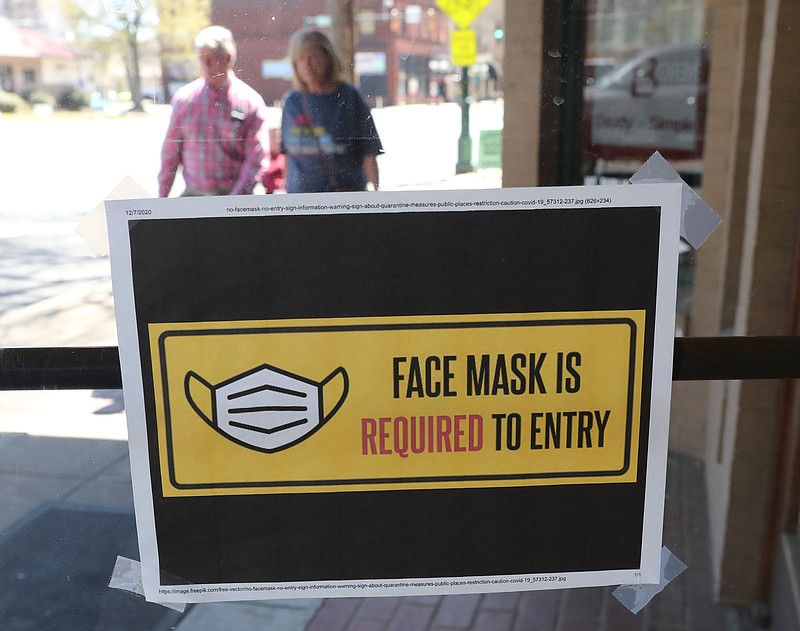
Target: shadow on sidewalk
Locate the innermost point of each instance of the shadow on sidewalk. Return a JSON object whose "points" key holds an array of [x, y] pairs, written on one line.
{"points": [[66, 474]]}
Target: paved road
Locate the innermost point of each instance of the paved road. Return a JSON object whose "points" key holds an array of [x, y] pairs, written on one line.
{"points": [[60, 169], [54, 289]]}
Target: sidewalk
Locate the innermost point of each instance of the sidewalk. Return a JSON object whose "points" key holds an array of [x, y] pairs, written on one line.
{"points": [[83, 315], [37, 472], [69, 448], [686, 604]]}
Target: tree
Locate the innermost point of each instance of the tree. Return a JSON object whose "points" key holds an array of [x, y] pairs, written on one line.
{"points": [[342, 14], [130, 25], [178, 23], [123, 27]]}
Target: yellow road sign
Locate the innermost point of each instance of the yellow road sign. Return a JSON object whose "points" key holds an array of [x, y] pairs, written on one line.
{"points": [[463, 47], [463, 12]]}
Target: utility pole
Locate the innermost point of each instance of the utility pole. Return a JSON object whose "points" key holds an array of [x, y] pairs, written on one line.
{"points": [[464, 164], [342, 14], [463, 48]]}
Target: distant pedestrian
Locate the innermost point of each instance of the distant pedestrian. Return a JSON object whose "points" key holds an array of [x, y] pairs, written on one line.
{"points": [[327, 130], [217, 131], [275, 174], [491, 84]]}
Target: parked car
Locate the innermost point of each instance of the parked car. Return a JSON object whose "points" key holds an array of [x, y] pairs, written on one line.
{"points": [[654, 102], [596, 68], [153, 94]]}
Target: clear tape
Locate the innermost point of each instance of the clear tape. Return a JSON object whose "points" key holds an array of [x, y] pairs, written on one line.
{"points": [[93, 226], [124, 6], [636, 597], [127, 575], [698, 219]]}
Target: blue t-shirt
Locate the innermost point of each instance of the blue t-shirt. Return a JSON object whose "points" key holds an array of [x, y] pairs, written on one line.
{"points": [[343, 124]]}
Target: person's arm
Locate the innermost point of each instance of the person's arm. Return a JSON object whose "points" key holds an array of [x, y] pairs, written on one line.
{"points": [[371, 169], [255, 154], [369, 140]]}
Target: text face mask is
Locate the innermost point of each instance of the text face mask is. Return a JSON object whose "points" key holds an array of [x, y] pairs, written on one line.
{"points": [[267, 409]]}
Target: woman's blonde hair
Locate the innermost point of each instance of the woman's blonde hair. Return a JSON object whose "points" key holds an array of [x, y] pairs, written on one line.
{"points": [[305, 40]]}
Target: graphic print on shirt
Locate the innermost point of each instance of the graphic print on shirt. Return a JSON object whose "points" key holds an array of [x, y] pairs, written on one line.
{"points": [[304, 135]]}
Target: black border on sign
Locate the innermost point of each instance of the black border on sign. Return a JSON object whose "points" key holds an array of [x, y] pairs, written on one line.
{"points": [[163, 337]]}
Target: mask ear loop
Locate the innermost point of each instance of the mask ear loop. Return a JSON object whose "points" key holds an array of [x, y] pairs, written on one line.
{"points": [[188, 391], [345, 390]]}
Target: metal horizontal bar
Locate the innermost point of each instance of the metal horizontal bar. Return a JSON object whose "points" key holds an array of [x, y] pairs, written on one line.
{"points": [[696, 359], [734, 358], [60, 368]]}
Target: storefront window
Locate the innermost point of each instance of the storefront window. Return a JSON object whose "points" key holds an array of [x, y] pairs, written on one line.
{"points": [[646, 75], [366, 22]]}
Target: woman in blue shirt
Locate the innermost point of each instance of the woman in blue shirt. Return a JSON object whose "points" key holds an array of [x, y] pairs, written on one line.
{"points": [[327, 130]]}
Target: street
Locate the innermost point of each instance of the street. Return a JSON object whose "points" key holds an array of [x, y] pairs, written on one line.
{"points": [[56, 169]]}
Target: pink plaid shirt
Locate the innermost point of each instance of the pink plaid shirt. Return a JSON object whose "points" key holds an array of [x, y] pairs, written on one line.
{"points": [[216, 135]]}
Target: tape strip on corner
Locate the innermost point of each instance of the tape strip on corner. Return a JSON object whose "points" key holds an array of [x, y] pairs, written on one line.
{"points": [[636, 597], [698, 219], [93, 226], [127, 576]]}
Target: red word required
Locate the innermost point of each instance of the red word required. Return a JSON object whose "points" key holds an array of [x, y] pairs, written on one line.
{"points": [[403, 435]]}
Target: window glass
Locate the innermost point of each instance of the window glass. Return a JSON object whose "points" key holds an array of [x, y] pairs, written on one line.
{"points": [[6, 77], [89, 116], [366, 22], [646, 74]]}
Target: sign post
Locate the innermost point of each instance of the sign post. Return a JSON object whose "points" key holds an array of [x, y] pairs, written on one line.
{"points": [[464, 164], [463, 50]]}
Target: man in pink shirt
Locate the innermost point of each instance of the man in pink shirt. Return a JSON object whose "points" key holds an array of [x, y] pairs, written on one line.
{"points": [[217, 131]]}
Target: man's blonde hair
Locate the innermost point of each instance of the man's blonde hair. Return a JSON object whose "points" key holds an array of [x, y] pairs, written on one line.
{"points": [[216, 38]]}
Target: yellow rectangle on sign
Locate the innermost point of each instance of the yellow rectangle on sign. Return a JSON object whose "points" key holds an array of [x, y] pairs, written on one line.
{"points": [[353, 404], [463, 47]]}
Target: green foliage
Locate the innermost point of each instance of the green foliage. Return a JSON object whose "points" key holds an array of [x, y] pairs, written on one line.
{"points": [[72, 100], [171, 25], [37, 97], [178, 23], [12, 103]]}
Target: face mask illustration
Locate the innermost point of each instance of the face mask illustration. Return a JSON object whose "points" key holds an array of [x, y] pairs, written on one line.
{"points": [[267, 409]]}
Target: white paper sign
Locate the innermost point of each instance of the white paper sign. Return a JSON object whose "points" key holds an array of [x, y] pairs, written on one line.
{"points": [[370, 394]]}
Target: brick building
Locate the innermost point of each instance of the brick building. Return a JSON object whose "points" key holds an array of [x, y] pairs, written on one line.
{"points": [[401, 50]]}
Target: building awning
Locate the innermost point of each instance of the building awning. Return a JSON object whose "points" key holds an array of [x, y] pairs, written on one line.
{"points": [[24, 43]]}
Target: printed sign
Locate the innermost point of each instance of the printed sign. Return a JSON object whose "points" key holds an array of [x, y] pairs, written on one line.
{"points": [[370, 63], [463, 12], [490, 149], [276, 69], [463, 47], [386, 393], [441, 402], [653, 102]]}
